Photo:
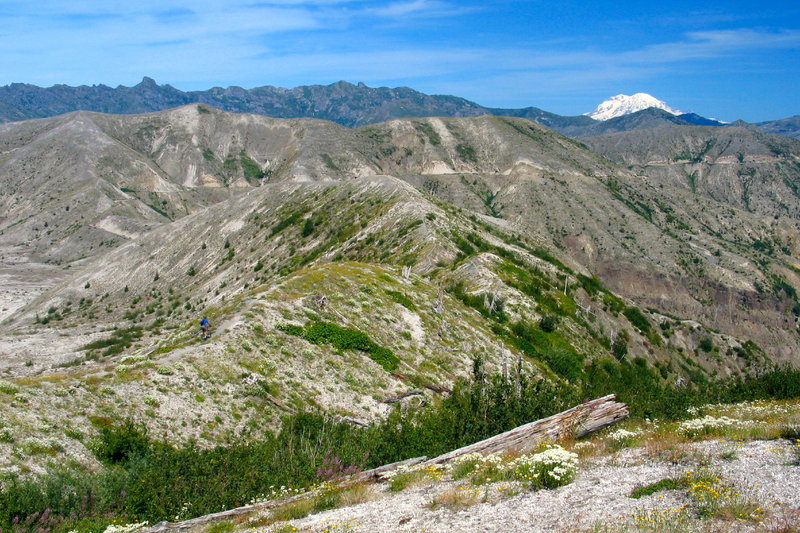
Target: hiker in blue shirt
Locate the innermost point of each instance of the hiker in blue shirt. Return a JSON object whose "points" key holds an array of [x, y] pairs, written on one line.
{"points": [[204, 325]]}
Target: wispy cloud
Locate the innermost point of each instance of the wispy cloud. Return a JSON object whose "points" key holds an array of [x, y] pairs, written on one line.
{"points": [[713, 44], [414, 7]]}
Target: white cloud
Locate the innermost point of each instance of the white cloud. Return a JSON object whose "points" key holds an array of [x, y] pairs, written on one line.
{"points": [[400, 9], [713, 44]]}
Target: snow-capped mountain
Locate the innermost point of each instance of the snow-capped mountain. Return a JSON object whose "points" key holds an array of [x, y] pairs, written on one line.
{"points": [[622, 104]]}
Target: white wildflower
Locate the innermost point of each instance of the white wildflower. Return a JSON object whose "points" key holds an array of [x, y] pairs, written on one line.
{"points": [[622, 435], [549, 468], [707, 424], [127, 528]]}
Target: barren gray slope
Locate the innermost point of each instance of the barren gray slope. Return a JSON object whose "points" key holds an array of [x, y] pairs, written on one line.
{"points": [[666, 247], [742, 167]]}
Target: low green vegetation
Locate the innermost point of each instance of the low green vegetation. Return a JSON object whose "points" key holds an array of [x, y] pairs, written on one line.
{"points": [[321, 332], [426, 129], [467, 153], [487, 304], [119, 340], [148, 479], [251, 169], [402, 299], [662, 484]]}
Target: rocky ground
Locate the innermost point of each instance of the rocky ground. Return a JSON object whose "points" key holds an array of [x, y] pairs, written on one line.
{"points": [[21, 281], [764, 476]]}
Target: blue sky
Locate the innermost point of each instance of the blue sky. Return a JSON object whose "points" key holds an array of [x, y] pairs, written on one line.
{"points": [[727, 60]]}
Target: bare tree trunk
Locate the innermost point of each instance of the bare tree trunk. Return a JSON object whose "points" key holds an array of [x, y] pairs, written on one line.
{"points": [[576, 422]]}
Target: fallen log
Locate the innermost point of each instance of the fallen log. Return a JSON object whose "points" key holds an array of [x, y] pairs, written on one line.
{"points": [[437, 388], [395, 399], [351, 420], [576, 422], [572, 423], [375, 474]]}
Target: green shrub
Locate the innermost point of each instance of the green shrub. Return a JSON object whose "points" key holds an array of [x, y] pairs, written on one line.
{"points": [[548, 323], [429, 132], [551, 348], [121, 443], [662, 484], [592, 285], [619, 348], [479, 301], [321, 332], [118, 341], [635, 316], [308, 227], [250, 168], [467, 153], [707, 345], [402, 299]]}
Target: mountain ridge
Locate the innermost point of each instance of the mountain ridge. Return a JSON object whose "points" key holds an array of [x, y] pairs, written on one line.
{"points": [[342, 102]]}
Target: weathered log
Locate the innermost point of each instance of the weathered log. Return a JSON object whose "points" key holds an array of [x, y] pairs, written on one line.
{"points": [[381, 471], [164, 526], [276, 402], [441, 389], [351, 420], [395, 399], [576, 422]]}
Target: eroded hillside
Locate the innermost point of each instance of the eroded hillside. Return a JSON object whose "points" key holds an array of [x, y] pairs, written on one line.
{"points": [[342, 267]]}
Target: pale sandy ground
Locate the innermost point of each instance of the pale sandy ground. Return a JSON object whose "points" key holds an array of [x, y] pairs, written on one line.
{"points": [[762, 471], [23, 352], [22, 282]]}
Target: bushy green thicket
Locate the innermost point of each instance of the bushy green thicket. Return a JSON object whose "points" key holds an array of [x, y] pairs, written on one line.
{"points": [[146, 479], [476, 409], [153, 480], [321, 332], [481, 302], [635, 383], [117, 342], [779, 383]]}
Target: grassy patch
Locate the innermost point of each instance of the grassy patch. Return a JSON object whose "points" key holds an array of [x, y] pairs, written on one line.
{"points": [[456, 499], [321, 332], [251, 169], [402, 299], [426, 129], [117, 342], [662, 484]]}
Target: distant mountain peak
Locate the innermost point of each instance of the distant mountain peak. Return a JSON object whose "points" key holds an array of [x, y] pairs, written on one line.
{"points": [[623, 104]]}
